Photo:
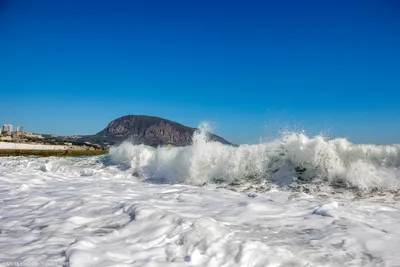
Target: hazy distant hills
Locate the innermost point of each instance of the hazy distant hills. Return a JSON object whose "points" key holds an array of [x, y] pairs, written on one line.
{"points": [[148, 130]]}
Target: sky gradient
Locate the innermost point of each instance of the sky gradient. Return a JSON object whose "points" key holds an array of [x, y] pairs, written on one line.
{"points": [[252, 68]]}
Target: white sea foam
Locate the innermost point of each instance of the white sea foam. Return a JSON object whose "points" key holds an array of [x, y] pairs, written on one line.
{"points": [[293, 159], [142, 206], [108, 219]]}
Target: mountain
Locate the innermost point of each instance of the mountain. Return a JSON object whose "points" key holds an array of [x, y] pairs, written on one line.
{"points": [[148, 130]]}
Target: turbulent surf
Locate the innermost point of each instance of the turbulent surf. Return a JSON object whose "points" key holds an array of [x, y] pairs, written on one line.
{"points": [[294, 161], [295, 201]]}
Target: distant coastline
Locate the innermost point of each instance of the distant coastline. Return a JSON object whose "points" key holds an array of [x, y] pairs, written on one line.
{"points": [[50, 153], [138, 129], [31, 141], [27, 144]]}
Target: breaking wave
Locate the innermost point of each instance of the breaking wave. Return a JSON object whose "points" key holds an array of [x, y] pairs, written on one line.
{"points": [[294, 162]]}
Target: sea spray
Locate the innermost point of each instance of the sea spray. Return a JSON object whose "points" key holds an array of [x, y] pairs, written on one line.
{"points": [[291, 160], [294, 161]]}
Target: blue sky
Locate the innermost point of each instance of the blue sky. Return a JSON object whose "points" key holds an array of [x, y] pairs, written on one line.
{"points": [[252, 68]]}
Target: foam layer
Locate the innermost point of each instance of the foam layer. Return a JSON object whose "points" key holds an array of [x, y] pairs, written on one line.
{"points": [[110, 220], [94, 211], [292, 160]]}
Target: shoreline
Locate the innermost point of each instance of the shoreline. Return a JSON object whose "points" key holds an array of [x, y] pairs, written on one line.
{"points": [[50, 153]]}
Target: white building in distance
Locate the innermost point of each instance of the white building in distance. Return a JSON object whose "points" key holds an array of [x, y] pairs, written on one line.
{"points": [[20, 129], [7, 128]]}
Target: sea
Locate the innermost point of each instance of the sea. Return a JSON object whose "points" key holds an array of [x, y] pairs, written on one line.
{"points": [[297, 201]]}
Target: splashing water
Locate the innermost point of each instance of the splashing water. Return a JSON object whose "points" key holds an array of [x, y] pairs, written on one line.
{"points": [[83, 210], [293, 161]]}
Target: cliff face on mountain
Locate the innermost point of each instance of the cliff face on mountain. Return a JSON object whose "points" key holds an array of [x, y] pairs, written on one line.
{"points": [[152, 131]]}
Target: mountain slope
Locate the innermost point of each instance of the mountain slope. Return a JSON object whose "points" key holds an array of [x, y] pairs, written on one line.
{"points": [[148, 130]]}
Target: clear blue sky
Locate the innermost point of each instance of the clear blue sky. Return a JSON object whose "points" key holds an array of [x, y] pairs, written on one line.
{"points": [[253, 68]]}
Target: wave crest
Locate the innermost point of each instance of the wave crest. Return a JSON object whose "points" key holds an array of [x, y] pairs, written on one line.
{"points": [[292, 160]]}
